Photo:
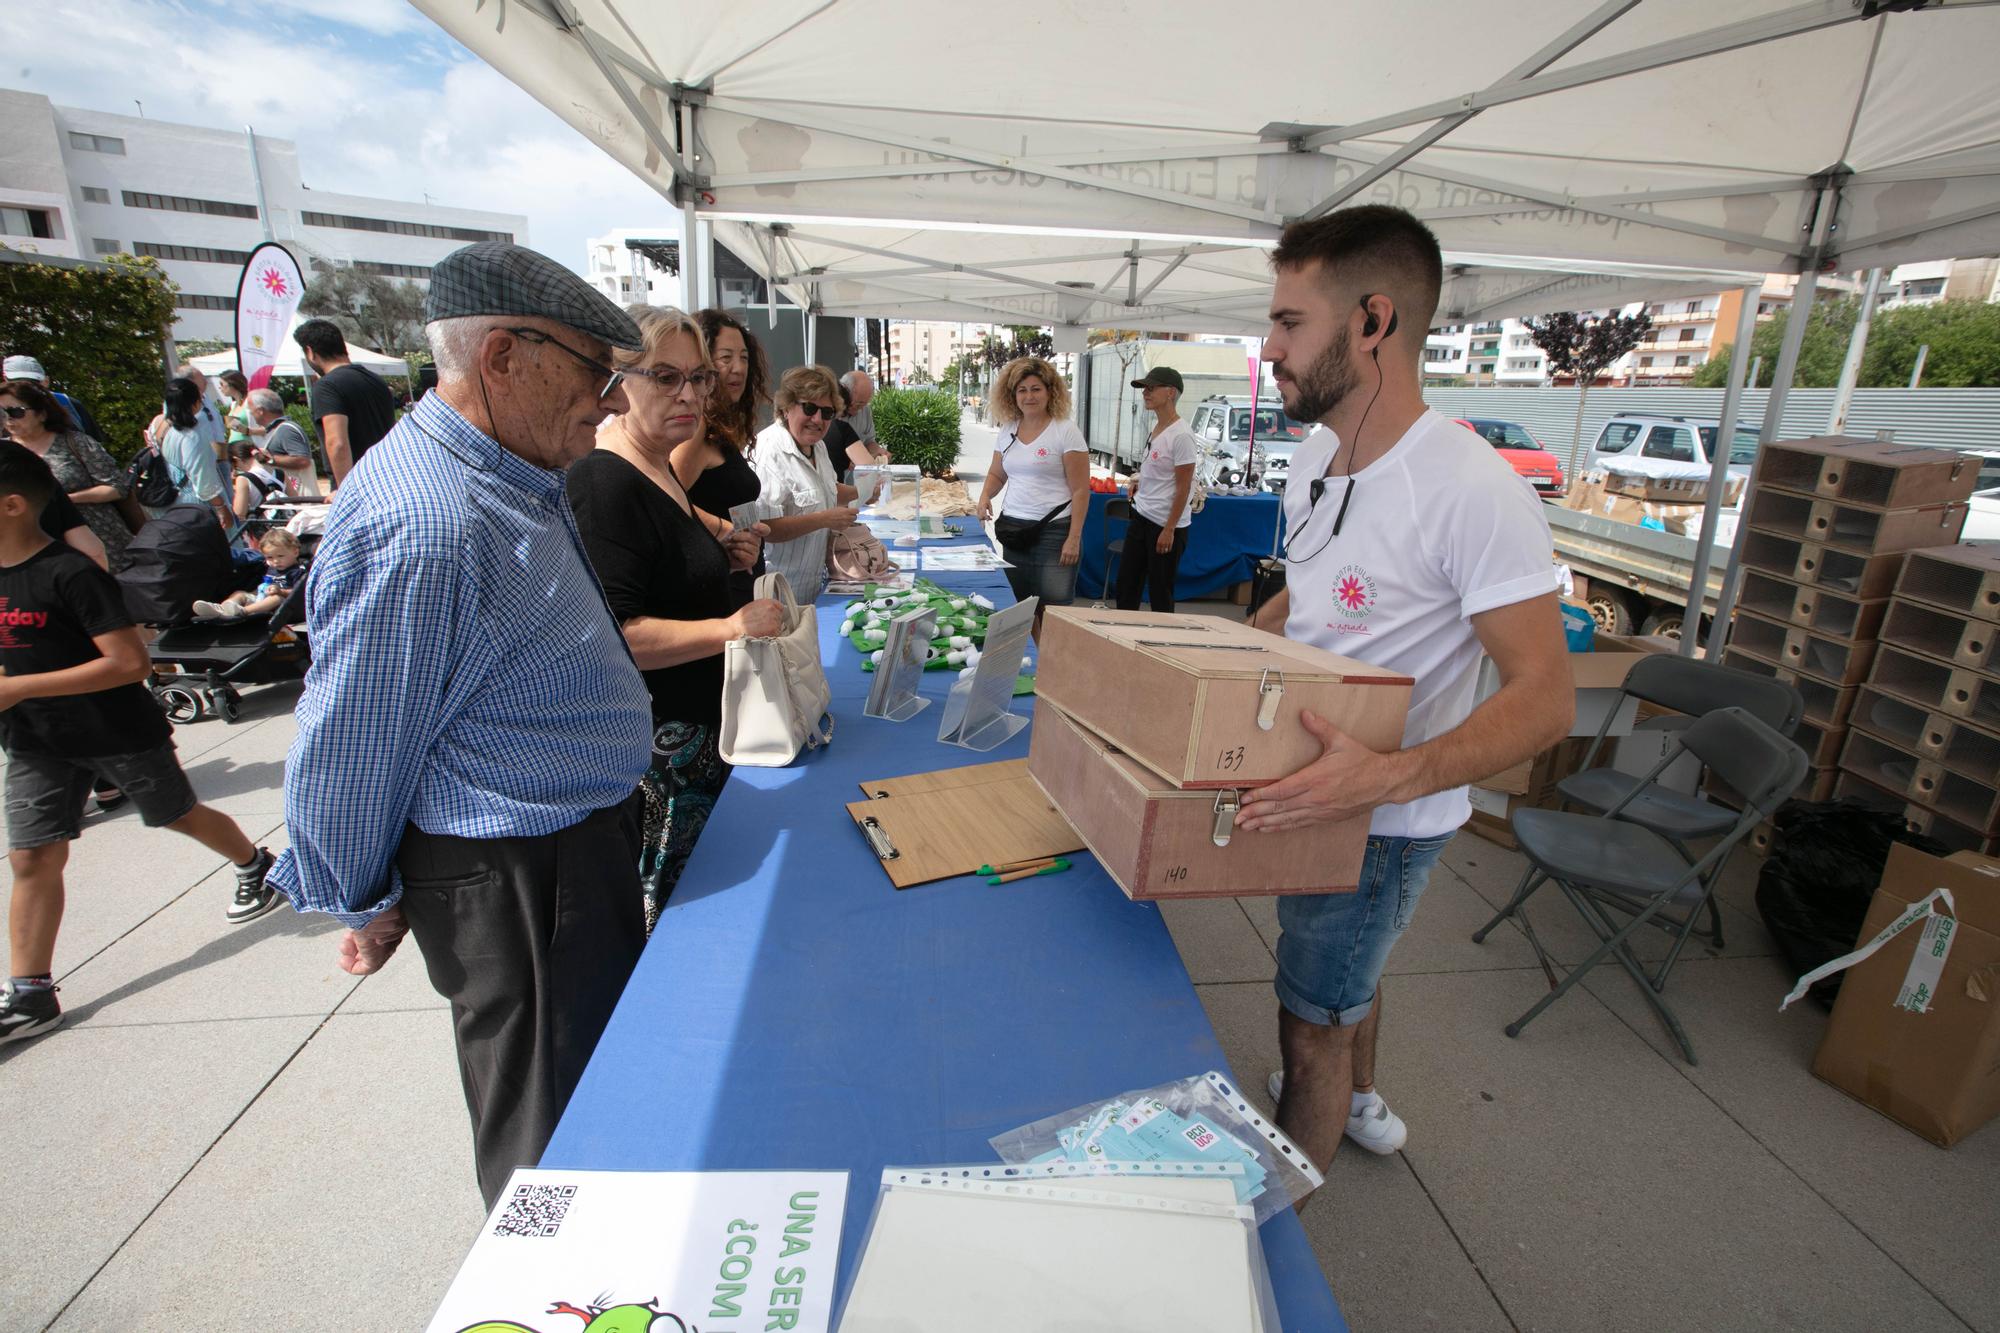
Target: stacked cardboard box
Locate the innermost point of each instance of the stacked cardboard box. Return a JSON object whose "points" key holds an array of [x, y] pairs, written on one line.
{"points": [[1925, 733], [1830, 520], [1150, 729]]}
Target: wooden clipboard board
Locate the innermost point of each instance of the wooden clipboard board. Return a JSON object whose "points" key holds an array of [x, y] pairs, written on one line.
{"points": [[932, 826]]}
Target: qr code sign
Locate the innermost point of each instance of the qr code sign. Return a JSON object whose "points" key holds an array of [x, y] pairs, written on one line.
{"points": [[535, 1210]]}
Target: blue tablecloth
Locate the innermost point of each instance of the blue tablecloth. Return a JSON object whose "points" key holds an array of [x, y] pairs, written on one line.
{"points": [[793, 1010], [1225, 542]]}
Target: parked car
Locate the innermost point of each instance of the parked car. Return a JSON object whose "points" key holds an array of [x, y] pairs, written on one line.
{"points": [[1222, 424], [1982, 523], [1540, 468], [1678, 439]]}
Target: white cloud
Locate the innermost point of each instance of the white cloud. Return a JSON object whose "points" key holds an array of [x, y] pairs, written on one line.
{"points": [[382, 107]]}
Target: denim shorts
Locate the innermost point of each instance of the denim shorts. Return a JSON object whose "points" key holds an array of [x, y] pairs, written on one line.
{"points": [[1038, 570], [1334, 945], [46, 793]]}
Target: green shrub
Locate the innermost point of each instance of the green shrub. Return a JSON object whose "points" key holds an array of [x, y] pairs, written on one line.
{"points": [[98, 331], [919, 426]]}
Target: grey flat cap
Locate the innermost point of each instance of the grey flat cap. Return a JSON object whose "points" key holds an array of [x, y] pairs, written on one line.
{"points": [[495, 278]]}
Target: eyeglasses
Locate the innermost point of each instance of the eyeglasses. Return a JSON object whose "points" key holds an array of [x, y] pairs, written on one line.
{"points": [[14, 413], [613, 378], [671, 379], [819, 410]]}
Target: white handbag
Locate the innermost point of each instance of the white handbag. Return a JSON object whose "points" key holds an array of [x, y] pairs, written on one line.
{"points": [[774, 692]]}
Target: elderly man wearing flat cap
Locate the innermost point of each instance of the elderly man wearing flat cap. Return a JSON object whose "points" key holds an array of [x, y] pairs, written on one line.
{"points": [[473, 728]]}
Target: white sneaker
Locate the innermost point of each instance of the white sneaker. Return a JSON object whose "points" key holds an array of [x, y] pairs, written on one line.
{"points": [[1378, 1129], [209, 611]]}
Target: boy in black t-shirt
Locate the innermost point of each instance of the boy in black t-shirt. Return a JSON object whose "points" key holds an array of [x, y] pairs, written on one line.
{"points": [[72, 707]]}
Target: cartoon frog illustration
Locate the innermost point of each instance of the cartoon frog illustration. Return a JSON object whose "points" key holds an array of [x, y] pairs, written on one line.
{"points": [[598, 1317]]}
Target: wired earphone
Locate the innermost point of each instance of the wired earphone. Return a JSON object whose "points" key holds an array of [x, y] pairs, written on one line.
{"points": [[1318, 488]]}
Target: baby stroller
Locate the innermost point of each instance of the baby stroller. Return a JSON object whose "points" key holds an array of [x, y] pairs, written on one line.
{"points": [[181, 557]]}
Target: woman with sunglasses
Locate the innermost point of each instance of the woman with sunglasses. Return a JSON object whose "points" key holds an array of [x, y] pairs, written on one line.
{"points": [[666, 577], [800, 478], [93, 483], [712, 464]]}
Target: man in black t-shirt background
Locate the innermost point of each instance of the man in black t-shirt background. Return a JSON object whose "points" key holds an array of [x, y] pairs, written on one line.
{"points": [[72, 708], [351, 406]]}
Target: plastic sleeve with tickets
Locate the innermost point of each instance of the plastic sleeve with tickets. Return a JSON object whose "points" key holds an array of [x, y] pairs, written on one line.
{"points": [[1203, 1117]]}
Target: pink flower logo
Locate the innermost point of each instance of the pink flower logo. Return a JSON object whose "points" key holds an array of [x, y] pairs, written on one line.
{"points": [[274, 282], [1352, 592]]}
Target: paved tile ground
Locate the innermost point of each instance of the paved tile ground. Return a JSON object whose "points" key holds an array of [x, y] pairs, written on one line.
{"points": [[230, 1133]]}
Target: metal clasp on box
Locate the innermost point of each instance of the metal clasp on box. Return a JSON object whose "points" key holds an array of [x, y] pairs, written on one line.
{"points": [[878, 839], [1269, 693], [1227, 803]]}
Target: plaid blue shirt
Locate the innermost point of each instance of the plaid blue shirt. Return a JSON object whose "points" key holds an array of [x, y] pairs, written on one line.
{"points": [[467, 675]]}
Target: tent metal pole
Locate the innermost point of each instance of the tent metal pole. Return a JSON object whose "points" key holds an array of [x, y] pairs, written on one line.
{"points": [[1718, 469], [1576, 35], [1857, 347], [691, 255], [1917, 371], [1774, 415]]}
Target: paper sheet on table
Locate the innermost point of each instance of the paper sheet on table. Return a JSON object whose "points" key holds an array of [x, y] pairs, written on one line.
{"points": [[1025, 1257], [963, 560]]}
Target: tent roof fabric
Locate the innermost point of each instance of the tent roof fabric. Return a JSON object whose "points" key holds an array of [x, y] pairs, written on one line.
{"points": [[1735, 135]]}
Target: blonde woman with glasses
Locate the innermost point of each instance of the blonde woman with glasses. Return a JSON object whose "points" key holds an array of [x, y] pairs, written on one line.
{"points": [[666, 576]]}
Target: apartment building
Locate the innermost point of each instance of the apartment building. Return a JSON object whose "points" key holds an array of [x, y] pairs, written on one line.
{"points": [[928, 346], [85, 184]]}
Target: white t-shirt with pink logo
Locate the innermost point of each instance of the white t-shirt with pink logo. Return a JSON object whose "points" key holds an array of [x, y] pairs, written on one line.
{"points": [[1439, 529], [1173, 447], [1035, 480]]}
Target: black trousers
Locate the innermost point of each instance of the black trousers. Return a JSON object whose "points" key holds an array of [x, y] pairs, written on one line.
{"points": [[1141, 569], [532, 941]]}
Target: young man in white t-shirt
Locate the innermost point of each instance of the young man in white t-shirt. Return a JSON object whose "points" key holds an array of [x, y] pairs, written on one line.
{"points": [[1410, 544], [1157, 533]]}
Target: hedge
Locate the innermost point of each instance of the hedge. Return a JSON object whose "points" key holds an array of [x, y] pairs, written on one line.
{"points": [[919, 426], [97, 331]]}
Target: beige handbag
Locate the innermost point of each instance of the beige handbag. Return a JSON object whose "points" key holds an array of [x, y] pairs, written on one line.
{"points": [[774, 692]]}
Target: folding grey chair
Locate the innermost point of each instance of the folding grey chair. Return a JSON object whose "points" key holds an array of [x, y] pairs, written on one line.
{"points": [[1691, 689], [1609, 867]]}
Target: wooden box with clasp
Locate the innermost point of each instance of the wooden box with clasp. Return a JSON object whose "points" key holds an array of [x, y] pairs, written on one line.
{"points": [[1210, 704], [1157, 840], [1150, 729]]}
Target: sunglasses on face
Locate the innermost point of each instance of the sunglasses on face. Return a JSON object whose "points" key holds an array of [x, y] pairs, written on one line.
{"points": [[670, 379], [819, 410], [613, 378], [14, 413]]}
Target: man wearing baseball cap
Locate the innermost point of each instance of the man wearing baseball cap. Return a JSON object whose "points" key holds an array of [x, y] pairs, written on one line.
{"points": [[473, 728], [1157, 534]]}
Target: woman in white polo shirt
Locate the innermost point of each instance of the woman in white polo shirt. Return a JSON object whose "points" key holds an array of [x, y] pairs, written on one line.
{"points": [[799, 477], [1042, 460], [1157, 534]]}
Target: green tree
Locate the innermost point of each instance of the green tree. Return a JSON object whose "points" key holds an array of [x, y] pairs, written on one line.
{"points": [[99, 330], [1964, 338], [919, 426], [369, 308], [1828, 328]]}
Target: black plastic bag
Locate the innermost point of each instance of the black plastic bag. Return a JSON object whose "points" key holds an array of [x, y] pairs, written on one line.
{"points": [[1824, 867]]}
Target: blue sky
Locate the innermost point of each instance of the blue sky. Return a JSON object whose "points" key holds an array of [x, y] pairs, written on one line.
{"points": [[379, 100]]}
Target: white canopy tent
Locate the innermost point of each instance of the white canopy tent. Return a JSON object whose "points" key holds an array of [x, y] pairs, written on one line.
{"points": [[1795, 136], [1759, 135], [1083, 281], [289, 362]]}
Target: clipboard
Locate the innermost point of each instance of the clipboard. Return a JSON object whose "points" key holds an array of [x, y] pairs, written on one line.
{"points": [[933, 826]]}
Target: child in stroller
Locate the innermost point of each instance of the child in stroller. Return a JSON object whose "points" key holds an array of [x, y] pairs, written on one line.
{"points": [[282, 574], [198, 664]]}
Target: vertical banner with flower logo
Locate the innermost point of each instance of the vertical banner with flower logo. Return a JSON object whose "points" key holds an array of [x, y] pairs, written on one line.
{"points": [[266, 299]]}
